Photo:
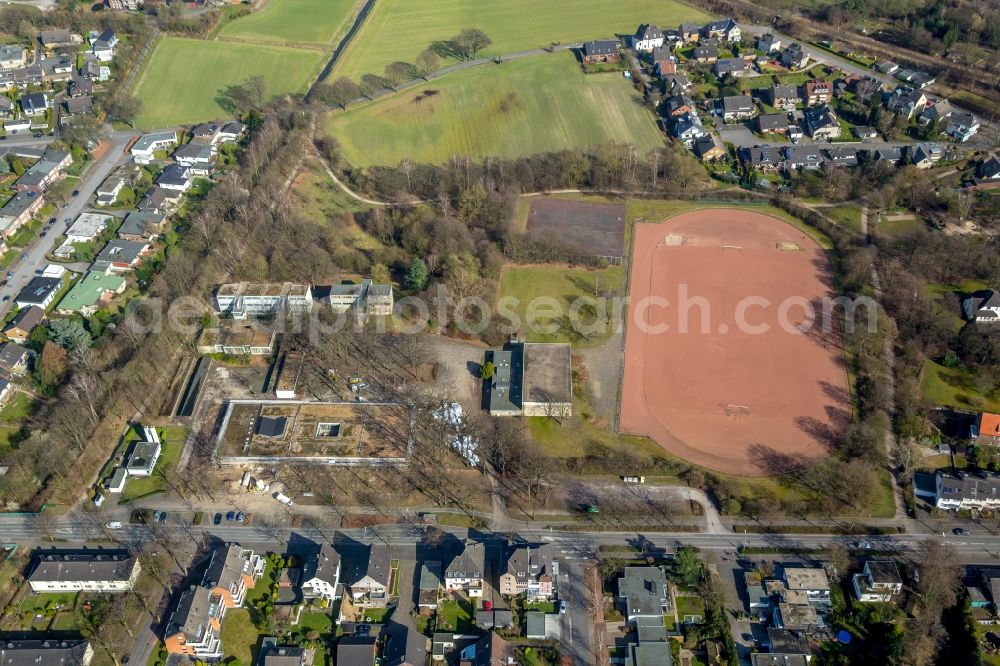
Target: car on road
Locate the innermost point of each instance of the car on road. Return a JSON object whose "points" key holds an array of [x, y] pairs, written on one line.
{"points": [[10, 274], [863, 545], [43, 234], [163, 516], [67, 220], [240, 517], [38, 135], [24, 256], [76, 193], [114, 525], [52, 220], [231, 515], [959, 531], [3, 138], [5, 299], [66, 205], [562, 607], [488, 605], [156, 515]]}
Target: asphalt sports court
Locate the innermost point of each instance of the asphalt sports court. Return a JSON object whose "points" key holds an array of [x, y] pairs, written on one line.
{"points": [[598, 229], [736, 401]]}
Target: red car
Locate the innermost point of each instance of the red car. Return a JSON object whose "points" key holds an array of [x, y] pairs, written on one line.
{"points": [[487, 605]]}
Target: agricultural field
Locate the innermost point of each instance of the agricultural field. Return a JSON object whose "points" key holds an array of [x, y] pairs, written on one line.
{"points": [[518, 108], [172, 98], [513, 25], [294, 21]]}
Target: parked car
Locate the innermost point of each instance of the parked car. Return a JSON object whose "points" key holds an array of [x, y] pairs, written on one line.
{"points": [[156, 515], [217, 520], [10, 274], [959, 531], [562, 607], [76, 193], [240, 517], [163, 516], [44, 233], [52, 220], [863, 545], [114, 525], [231, 515], [38, 135], [5, 299]]}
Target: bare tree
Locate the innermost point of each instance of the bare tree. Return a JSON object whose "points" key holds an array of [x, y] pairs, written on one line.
{"points": [[427, 63]]}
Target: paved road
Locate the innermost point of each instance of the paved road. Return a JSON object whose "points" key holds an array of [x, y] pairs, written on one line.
{"points": [[25, 269]]}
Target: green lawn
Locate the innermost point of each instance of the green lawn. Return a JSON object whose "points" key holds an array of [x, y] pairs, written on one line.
{"points": [[690, 606], [17, 409], [512, 25], [455, 615], [172, 94], [847, 215], [314, 21], [548, 290], [541, 606], [519, 108], [141, 486], [898, 227], [954, 387], [239, 636]]}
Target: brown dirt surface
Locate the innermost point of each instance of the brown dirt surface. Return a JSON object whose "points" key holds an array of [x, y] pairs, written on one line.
{"points": [[720, 395], [598, 229]]}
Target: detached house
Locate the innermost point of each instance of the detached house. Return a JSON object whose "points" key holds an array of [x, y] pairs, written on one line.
{"points": [[983, 307], [120, 256], [817, 92], [763, 158], [41, 291], [962, 126], [793, 57], [989, 169], [802, 157], [734, 66], [986, 431], [466, 571], [109, 190], [774, 123], [647, 38], [879, 581], [231, 572], [689, 32], [708, 53], [12, 56], [195, 627], [35, 104], [144, 149], [709, 148], [141, 226], [768, 43], [737, 107], [13, 360], [643, 593], [23, 324], [196, 157], [103, 47], [601, 50], [367, 580], [529, 570], [175, 177], [321, 574], [822, 123], [724, 29], [783, 97], [906, 101]]}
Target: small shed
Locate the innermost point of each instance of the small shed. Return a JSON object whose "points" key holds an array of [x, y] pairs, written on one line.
{"points": [[118, 480]]}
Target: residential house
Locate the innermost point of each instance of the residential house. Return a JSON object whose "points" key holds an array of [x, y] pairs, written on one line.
{"points": [[91, 293], [175, 177], [601, 50], [802, 157], [103, 47], [811, 581], [772, 123], [12, 56], [886, 67], [467, 569], [989, 169], [936, 111], [733, 66], [530, 570], [160, 199], [196, 157], [23, 323], [783, 97], [49, 168], [141, 226], [75, 106], [676, 84], [93, 70], [709, 148], [144, 453], [11, 127], [108, 191], [205, 132], [643, 593], [865, 87], [284, 655], [801, 618], [356, 651], [758, 600], [41, 291], [647, 38], [429, 584], [490, 650], [368, 578], [983, 307], [195, 627], [230, 132], [87, 227], [232, 571], [677, 106], [762, 158], [963, 490], [35, 104], [46, 652], [841, 155], [689, 32], [253, 299], [986, 431], [915, 77], [6, 107], [768, 43], [687, 127], [13, 359], [144, 149], [817, 92], [55, 38], [724, 29], [365, 299], [661, 54], [80, 87], [962, 126], [793, 57], [865, 133], [879, 581], [321, 574], [920, 157], [821, 123], [665, 68], [890, 154], [989, 581], [737, 107], [71, 571], [120, 256], [707, 53], [906, 101]]}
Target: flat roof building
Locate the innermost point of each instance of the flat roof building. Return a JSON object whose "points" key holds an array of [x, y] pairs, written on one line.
{"points": [[531, 379]]}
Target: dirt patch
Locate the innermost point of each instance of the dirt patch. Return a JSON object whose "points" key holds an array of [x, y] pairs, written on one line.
{"points": [[742, 393], [598, 229]]}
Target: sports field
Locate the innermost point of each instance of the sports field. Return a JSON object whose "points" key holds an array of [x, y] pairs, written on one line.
{"points": [[731, 383], [296, 21], [518, 108], [183, 76], [513, 25]]}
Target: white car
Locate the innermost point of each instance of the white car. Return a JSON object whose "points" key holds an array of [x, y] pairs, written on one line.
{"points": [[114, 525], [863, 545]]}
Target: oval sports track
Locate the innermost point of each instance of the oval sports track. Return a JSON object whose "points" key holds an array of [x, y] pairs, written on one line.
{"points": [[732, 398]]}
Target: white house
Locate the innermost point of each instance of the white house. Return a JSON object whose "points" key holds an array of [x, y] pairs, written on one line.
{"points": [[647, 38], [78, 572], [87, 227], [466, 571], [983, 307], [878, 582], [142, 458], [103, 46], [321, 574], [117, 482], [962, 126], [145, 147]]}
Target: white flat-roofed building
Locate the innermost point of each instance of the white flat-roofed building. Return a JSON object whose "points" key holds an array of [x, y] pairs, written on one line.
{"points": [[78, 572], [254, 299]]}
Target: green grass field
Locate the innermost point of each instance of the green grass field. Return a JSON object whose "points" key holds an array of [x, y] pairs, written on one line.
{"points": [[518, 108], [954, 387], [296, 21], [513, 25], [183, 77], [562, 286]]}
